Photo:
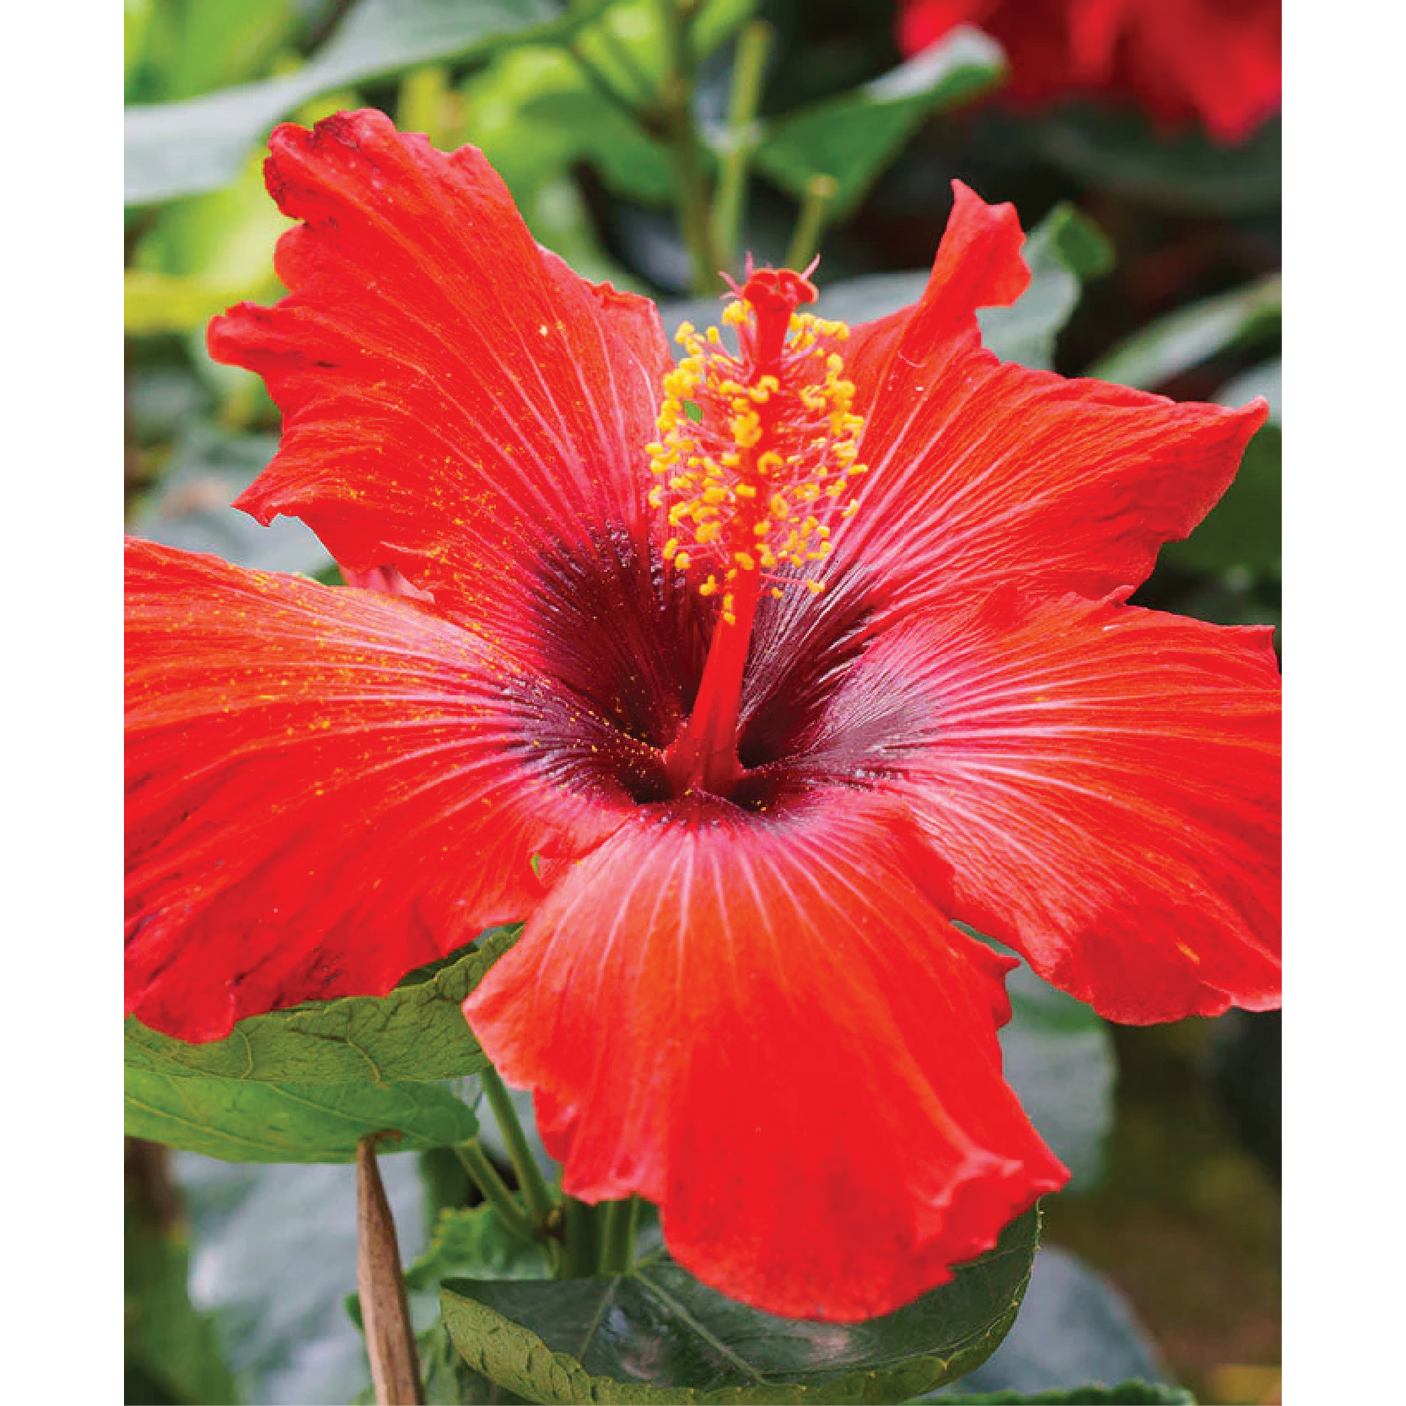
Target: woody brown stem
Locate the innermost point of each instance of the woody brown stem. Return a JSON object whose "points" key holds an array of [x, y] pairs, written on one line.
{"points": [[385, 1307]]}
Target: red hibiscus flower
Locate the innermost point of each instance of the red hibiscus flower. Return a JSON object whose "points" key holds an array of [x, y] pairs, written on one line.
{"points": [[777, 662], [1216, 62]]}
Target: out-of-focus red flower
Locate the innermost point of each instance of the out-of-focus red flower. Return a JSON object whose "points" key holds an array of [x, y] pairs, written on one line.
{"points": [[1212, 62], [778, 661]]}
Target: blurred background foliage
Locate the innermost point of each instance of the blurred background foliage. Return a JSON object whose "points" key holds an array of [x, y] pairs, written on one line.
{"points": [[1157, 264]]}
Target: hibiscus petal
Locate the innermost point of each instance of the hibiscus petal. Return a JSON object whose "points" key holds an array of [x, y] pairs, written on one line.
{"points": [[457, 403], [1103, 780], [763, 1024], [981, 472], [326, 789]]}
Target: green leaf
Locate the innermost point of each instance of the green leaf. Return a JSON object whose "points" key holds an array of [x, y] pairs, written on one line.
{"points": [[416, 1033], [852, 138], [200, 144], [1059, 1058], [658, 1335], [1064, 251], [1191, 335], [136, 25], [1266, 379], [1134, 1393], [211, 46], [1074, 1325], [161, 302], [1119, 152], [471, 1242], [245, 1122], [535, 112]]}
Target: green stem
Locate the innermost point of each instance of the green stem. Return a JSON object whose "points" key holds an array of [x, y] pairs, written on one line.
{"points": [[618, 1236], [581, 1239], [676, 111], [743, 137], [820, 191], [529, 1176], [484, 1175], [604, 86]]}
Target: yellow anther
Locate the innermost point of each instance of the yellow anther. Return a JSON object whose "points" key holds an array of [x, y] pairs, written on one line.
{"points": [[734, 432], [746, 429]]}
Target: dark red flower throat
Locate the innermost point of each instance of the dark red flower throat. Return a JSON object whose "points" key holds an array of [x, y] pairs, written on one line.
{"points": [[755, 457]]}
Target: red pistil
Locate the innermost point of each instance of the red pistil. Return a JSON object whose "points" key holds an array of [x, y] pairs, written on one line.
{"points": [[761, 413], [772, 295], [703, 757]]}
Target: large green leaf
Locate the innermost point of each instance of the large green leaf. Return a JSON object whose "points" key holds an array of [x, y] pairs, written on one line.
{"points": [[242, 1122], [417, 1032], [658, 1335], [200, 144], [852, 138]]}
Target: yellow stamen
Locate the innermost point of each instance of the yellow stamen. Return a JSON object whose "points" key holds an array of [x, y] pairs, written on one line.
{"points": [[757, 446]]}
